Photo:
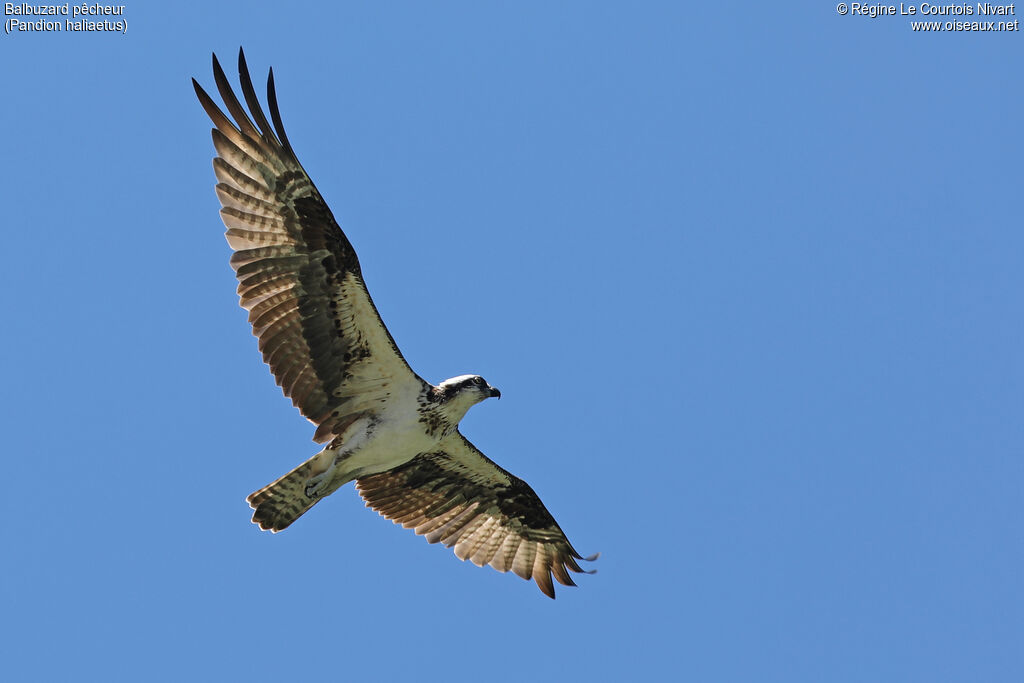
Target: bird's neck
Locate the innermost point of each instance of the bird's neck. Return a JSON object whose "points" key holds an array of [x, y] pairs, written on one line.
{"points": [[442, 417]]}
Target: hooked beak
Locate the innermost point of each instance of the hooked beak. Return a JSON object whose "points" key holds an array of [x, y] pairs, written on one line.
{"points": [[495, 393]]}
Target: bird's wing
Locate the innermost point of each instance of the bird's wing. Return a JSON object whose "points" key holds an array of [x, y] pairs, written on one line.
{"points": [[298, 275], [458, 496]]}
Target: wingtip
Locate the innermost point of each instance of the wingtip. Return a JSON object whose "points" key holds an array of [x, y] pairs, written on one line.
{"points": [[275, 113], [242, 66], [271, 89], [589, 558], [201, 94], [219, 76]]}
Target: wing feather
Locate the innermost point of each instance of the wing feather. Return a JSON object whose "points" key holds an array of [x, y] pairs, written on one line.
{"points": [[243, 202], [229, 175], [457, 496], [502, 560], [488, 539], [298, 275], [522, 565], [542, 570], [231, 102]]}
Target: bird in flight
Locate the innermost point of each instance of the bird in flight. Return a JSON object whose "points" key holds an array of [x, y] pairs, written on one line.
{"points": [[396, 435]]}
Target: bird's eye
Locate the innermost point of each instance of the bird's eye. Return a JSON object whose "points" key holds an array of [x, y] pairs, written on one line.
{"points": [[479, 381]]}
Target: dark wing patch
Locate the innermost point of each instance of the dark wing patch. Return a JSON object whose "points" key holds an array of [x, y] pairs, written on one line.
{"points": [[298, 275], [461, 498]]}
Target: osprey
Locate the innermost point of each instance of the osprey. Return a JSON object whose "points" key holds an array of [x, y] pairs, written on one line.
{"points": [[392, 432]]}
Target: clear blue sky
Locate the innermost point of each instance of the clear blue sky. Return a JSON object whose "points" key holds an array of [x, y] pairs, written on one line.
{"points": [[749, 279]]}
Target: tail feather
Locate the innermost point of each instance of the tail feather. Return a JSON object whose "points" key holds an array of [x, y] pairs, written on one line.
{"points": [[277, 505]]}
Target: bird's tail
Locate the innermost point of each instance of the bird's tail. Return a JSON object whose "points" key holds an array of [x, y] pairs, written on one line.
{"points": [[279, 504]]}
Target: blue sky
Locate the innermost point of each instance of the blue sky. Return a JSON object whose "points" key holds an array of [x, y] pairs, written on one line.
{"points": [[748, 278]]}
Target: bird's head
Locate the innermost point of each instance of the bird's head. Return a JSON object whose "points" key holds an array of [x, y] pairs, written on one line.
{"points": [[461, 393], [467, 386]]}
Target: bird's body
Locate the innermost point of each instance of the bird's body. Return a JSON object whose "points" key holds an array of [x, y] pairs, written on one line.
{"points": [[406, 425], [369, 445], [386, 428]]}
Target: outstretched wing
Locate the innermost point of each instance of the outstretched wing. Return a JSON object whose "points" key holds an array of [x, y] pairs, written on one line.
{"points": [[298, 275], [458, 496]]}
